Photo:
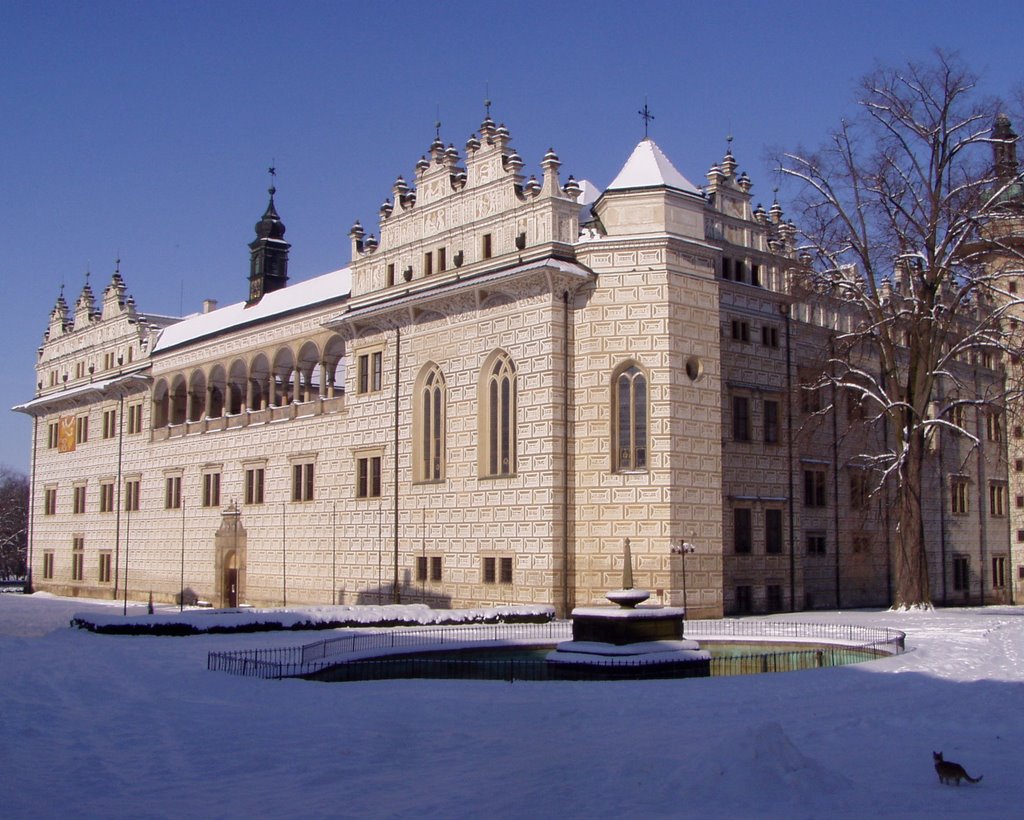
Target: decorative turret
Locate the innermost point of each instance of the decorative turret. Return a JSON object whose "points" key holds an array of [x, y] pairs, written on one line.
{"points": [[58, 317], [1009, 192], [268, 265], [85, 307], [115, 295], [1004, 149]]}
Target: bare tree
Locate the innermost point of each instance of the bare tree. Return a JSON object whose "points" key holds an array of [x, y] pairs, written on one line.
{"points": [[911, 226], [13, 523]]}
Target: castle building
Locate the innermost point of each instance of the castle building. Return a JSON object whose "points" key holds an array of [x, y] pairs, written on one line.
{"points": [[521, 373]]}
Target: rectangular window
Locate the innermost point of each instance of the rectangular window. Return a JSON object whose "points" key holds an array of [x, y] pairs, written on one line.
{"points": [[994, 426], [172, 492], [810, 398], [773, 531], [958, 416], [428, 263], [755, 279], [52, 435], [769, 336], [368, 477], [442, 259], [78, 558], [302, 482], [740, 330], [131, 494], [421, 568], [960, 497], [486, 246], [814, 488], [744, 599], [861, 544], [961, 573], [50, 501], [771, 421], [105, 573], [860, 489], [369, 371], [497, 570], [998, 572], [78, 504], [109, 423], [389, 280], [740, 418], [435, 568], [726, 267], [816, 543], [134, 418], [108, 360], [254, 481], [106, 496], [48, 565], [996, 498], [81, 429], [773, 597], [741, 526], [211, 489]]}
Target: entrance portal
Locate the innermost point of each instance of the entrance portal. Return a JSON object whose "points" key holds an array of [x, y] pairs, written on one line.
{"points": [[230, 548]]}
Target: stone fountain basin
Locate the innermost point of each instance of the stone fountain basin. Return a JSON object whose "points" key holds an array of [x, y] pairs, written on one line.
{"points": [[621, 625], [646, 652]]}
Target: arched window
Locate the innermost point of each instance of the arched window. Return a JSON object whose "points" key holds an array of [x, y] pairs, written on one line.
{"points": [[430, 424], [629, 420], [498, 421]]}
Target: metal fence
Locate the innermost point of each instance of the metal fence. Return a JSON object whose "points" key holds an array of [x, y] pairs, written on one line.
{"points": [[351, 656]]}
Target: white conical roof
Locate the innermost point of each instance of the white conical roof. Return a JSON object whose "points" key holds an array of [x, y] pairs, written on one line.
{"points": [[648, 167]]}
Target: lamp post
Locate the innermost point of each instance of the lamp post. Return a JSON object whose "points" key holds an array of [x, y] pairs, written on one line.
{"points": [[683, 549]]}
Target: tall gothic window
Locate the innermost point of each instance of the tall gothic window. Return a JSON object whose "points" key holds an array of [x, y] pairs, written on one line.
{"points": [[430, 424], [499, 421], [630, 420]]}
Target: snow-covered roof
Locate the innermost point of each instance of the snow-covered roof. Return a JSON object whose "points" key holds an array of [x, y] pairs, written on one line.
{"points": [[648, 167], [115, 385], [327, 287]]}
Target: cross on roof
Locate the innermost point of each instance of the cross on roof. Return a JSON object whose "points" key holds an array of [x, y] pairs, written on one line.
{"points": [[646, 116]]}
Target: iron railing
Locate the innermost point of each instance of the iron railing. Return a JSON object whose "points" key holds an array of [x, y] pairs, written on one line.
{"points": [[363, 655]]}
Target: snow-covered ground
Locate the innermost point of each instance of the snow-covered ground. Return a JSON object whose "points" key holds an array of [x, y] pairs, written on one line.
{"points": [[107, 726]]}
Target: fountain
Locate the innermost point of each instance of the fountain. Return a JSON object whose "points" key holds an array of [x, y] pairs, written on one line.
{"points": [[643, 641]]}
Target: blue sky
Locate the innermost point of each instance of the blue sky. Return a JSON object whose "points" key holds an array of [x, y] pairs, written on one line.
{"points": [[144, 130]]}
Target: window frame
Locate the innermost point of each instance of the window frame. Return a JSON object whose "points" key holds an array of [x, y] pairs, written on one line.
{"points": [[172, 492], [499, 415], [255, 484], [369, 475], [774, 531], [430, 424], [303, 481], [630, 418], [78, 558], [741, 418], [815, 487], [370, 371], [211, 488], [742, 530]]}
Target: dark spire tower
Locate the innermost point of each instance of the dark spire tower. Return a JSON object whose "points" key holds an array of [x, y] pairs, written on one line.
{"points": [[1004, 148], [268, 264]]}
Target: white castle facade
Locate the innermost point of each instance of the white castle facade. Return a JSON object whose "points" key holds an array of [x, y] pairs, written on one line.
{"points": [[516, 377]]}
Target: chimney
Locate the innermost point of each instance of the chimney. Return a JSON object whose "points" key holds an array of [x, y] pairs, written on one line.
{"points": [[209, 305]]}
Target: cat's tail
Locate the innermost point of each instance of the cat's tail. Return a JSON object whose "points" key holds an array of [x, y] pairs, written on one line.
{"points": [[973, 779]]}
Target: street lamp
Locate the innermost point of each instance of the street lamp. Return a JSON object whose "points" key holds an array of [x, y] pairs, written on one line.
{"points": [[682, 550]]}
